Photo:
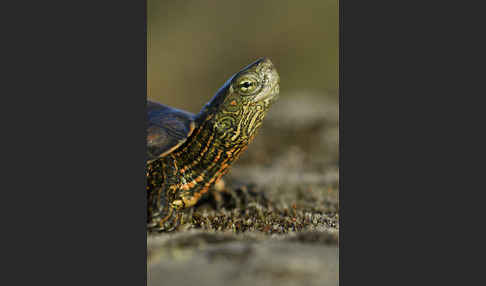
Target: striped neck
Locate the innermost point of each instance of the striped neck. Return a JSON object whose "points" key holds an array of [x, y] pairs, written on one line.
{"points": [[202, 160]]}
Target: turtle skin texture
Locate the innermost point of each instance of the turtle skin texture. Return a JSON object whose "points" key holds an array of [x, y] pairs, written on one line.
{"points": [[188, 153]]}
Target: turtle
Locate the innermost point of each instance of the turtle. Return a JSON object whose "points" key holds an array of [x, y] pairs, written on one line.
{"points": [[187, 154]]}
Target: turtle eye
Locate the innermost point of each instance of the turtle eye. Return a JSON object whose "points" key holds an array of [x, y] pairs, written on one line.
{"points": [[247, 86]]}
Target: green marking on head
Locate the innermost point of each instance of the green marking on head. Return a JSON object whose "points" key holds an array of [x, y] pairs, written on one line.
{"points": [[240, 104]]}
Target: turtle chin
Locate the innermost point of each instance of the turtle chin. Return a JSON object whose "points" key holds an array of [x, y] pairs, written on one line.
{"points": [[270, 96], [274, 93], [271, 79]]}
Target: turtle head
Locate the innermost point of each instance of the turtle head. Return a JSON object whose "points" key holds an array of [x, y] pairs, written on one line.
{"points": [[239, 106], [257, 83]]}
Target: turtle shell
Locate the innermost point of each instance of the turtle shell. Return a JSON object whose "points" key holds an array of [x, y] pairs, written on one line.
{"points": [[167, 129]]}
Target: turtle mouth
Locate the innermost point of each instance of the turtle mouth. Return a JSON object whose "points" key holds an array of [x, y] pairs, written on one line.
{"points": [[274, 92], [272, 83]]}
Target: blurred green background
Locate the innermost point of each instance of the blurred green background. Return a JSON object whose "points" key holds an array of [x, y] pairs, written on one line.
{"points": [[195, 46]]}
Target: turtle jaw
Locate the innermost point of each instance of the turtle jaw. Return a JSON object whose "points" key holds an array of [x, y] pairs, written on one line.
{"points": [[271, 82], [273, 95]]}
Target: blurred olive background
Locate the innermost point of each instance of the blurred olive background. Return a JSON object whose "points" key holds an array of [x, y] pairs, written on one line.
{"points": [[195, 46]]}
